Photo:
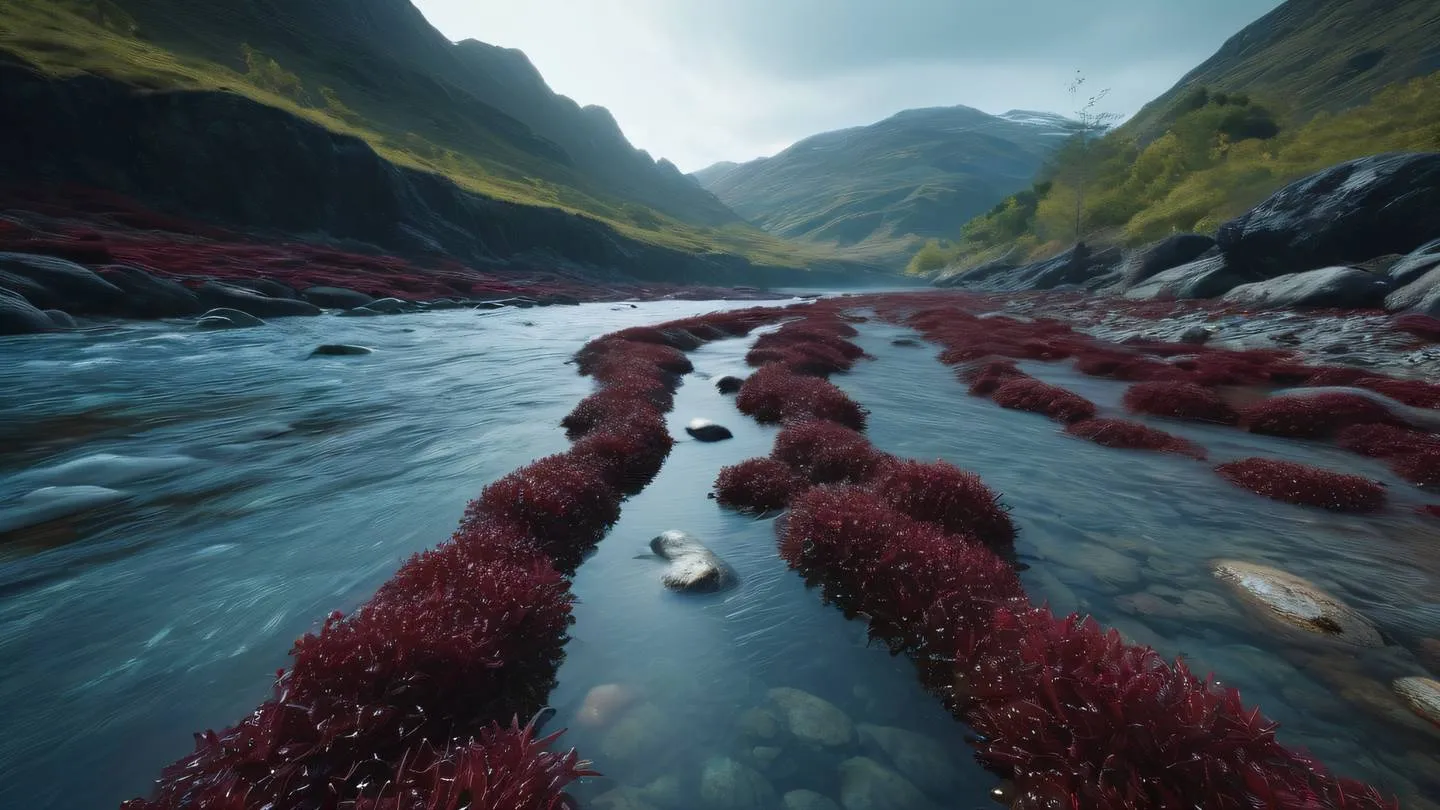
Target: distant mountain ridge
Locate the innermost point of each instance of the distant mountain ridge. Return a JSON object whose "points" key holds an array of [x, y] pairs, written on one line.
{"points": [[880, 189]]}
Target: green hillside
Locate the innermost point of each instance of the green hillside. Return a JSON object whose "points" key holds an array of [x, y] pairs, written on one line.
{"points": [[1290, 98], [878, 191], [376, 69]]}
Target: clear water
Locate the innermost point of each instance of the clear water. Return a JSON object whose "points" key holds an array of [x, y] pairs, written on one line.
{"points": [[290, 487]]}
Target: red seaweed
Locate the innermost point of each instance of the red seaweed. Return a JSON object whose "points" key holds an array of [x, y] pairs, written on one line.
{"points": [[825, 452], [1027, 394], [758, 485], [1305, 485], [943, 494], [1179, 400], [1133, 436], [1312, 417]]}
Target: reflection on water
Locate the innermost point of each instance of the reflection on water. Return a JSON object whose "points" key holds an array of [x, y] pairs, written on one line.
{"points": [[255, 490]]}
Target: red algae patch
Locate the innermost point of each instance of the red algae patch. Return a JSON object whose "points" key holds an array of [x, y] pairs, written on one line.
{"points": [[758, 485], [948, 496], [1312, 417], [825, 452], [1028, 394], [984, 378], [1179, 400], [1304, 485], [1384, 440], [1133, 436], [775, 393], [1421, 326], [1421, 469]]}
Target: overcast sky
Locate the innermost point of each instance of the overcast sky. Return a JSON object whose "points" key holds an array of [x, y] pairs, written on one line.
{"points": [[698, 81]]}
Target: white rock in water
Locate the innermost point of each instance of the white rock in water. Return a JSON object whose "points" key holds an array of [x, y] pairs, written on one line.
{"points": [[1298, 603], [693, 567], [1422, 695], [108, 469]]}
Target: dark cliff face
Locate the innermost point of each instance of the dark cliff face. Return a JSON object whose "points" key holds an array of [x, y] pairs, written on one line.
{"points": [[223, 158]]}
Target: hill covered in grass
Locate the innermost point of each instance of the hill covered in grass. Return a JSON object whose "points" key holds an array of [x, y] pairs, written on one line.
{"points": [[877, 191], [478, 114], [1309, 85]]}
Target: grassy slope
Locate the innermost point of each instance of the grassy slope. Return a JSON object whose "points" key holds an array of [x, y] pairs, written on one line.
{"points": [[877, 191], [497, 158], [1168, 170]]}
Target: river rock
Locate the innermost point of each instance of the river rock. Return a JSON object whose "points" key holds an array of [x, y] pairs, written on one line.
{"points": [[807, 800], [867, 785], [1207, 277], [729, 785], [728, 385], [1297, 603], [53, 283], [917, 757], [1421, 295], [335, 297], [703, 430], [1077, 265], [1347, 213], [148, 296], [387, 306], [759, 724], [19, 317], [267, 287], [1422, 695], [1420, 261], [665, 792], [1196, 336], [604, 703], [1341, 287], [1157, 257], [61, 320], [623, 798], [225, 318], [340, 350], [640, 734], [219, 294], [812, 720], [693, 567]]}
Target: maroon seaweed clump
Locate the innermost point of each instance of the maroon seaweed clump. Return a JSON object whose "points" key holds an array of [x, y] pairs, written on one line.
{"points": [[1419, 468], [775, 393], [1179, 400], [825, 452], [1313, 417], [665, 335], [1384, 440], [1416, 393], [1305, 485], [666, 358], [984, 378], [943, 494], [563, 503], [604, 407], [1421, 326], [924, 590], [629, 449], [1039, 397], [502, 768], [811, 333], [758, 485], [812, 359], [1133, 436]]}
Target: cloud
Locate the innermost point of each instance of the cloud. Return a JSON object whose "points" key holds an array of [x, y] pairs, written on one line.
{"points": [[698, 81]]}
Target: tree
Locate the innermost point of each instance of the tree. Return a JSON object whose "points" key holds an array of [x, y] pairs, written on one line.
{"points": [[1090, 122]]}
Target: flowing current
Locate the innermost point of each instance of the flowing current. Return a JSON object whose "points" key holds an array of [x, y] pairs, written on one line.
{"points": [[176, 507]]}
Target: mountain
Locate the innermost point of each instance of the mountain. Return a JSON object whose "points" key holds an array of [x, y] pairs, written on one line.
{"points": [[1311, 56], [476, 113], [878, 190], [713, 172]]}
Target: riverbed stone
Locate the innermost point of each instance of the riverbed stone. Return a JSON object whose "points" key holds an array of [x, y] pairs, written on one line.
{"points": [[759, 724], [812, 720], [623, 798], [917, 757], [1297, 603], [219, 294], [728, 385], [340, 350], [867, 785], [149, 296], [666, 792], [55, 283], [726, 784], [1104, 563], [335, 297], [1422, 695], [807, 800], [639, 734], [703, 430], [19, 317], [1341, 286], [226, 318], [693, 566]]}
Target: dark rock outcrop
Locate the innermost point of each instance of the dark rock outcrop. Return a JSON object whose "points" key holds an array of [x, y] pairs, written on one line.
{"points": [[977, 274], [335, 297], [1076, 266], [223, 318], [1157, 257], [19, 317], [728, 385], [1207, 277], [1347, 287], [703, 430], [1419, 262], [51, 283], [340, 350], [1345, 214], [217, 294], [148, 296], [1421, 295], [267, 287]]}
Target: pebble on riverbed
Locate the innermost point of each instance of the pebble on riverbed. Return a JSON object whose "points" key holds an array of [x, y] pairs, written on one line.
{"points": [[703, 430], [1295, 603], [340, 350]]}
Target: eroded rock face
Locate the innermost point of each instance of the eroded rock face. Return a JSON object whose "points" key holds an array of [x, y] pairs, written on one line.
{"points": [[693, 566], [1341, 287], [1347, 213], [812, 720], [1155, 258], [1206, 277], [1292, 602]]}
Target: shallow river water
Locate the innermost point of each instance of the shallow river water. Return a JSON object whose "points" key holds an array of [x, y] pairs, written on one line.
{"points": [[259, 490]]}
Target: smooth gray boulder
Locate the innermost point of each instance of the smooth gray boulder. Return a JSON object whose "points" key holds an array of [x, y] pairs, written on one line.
{"points": [[335, 297], [62, 320], [19, 317], [1420, 261], [225, 318], [726, 784], [149, 296], [1421, 295], [703, 430], [1338, 287], [218, 294], [1210, 277], [51, 283], [268, 287], [388, 306], [693, 566], [1157, 257]]}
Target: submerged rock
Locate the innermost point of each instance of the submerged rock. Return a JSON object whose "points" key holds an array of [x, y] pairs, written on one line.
{"points": [[360, 312], [218, 294], [340, 350], [807, 800], [726, 784], [759, 724], [693, 567], [61, 320], [19, 317], [52, 283], [49, 503], [703, 430], [908, 342], [867, 785], [335, 297], [728, 385], [917, 757], [641, 734], [623, 798], [148, 296], [604, 703], [1298, 603], [812, 720], [225, 318], [1422, 695]]}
